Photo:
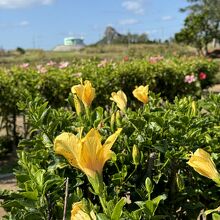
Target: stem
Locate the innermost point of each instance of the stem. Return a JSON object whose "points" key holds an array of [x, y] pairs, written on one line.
{"points": [[15, 137], [49, 211], [65, 200], [131, 122], [103, 201], [131, 173], [25, 125], [88, 115], [149, 194], [117, 167]]}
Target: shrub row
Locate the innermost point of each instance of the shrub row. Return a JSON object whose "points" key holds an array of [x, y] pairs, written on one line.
{"points": [[51, 81], [163, 76]]}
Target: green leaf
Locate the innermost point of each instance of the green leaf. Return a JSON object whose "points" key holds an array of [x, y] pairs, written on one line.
{"points": [[13, 203], [139, 123], [211, 211], [102, 216], [215, 216], [30, 195], [150, 207], [159, 198], [34, 216], [117, 211], [99, 112]]}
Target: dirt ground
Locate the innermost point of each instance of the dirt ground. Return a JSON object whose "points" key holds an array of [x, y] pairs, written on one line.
{"points": [[215, 88], [8, 182]]}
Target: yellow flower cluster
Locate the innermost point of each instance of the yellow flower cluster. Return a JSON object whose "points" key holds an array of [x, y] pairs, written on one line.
{"points": [[86, 93], [89, 154], [141, 93]]}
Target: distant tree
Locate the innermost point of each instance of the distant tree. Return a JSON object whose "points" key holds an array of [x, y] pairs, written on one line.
{"points": [[202, 25], [196, 32], [20, 50], [2, 51], [143, 38]]}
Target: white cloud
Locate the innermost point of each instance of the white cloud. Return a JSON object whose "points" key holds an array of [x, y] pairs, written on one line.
{"points": [[135, 6], [128, 21], [23, 23], [14, 25], [167, 18], [13, 4]]}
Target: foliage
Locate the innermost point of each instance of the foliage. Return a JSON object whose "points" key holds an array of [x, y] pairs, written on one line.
{"points": [[152, 182], [20, 50], [201, 25], [196, 32], [51, 81]]}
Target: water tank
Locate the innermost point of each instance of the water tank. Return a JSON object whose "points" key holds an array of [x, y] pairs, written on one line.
{"points": [[72, 41]]}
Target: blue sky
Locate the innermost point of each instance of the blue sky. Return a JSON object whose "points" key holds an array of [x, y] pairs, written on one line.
{"points": [[44, 23]]}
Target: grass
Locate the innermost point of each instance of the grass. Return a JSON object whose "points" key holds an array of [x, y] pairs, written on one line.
{"points": [[115, 52]]}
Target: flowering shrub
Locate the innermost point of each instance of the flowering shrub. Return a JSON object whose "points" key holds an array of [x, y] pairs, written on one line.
{"points": [[140, 171], [51, 81]]}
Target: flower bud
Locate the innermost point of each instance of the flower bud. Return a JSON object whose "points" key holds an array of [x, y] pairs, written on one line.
{"points": [[179, 182], [149, 185], [135, 155], [112, 122], [193, 106], [118, 118], [77, 105]]}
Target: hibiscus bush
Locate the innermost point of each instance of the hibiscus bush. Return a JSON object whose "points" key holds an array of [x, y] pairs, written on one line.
{"points": [[124, 161], [169, 77]]}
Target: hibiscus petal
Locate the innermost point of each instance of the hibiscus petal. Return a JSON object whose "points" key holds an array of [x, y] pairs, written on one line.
{"points": [[111, 139], [68, 145]]}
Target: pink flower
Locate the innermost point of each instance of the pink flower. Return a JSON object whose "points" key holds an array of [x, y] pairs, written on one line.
{"points": [[77, 75], [24, 65], [63, 65], [190, 78], [155, 59], [202, 76], [51, 63], [41, 69]]}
